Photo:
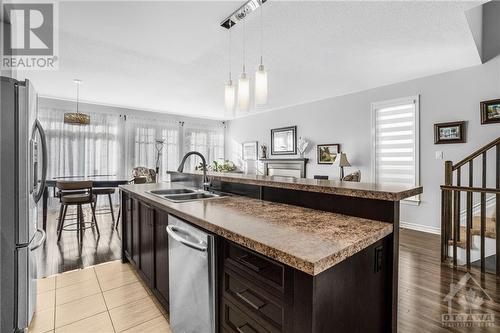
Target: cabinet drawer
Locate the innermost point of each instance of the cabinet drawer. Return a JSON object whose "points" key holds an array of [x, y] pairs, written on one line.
{"points": [[253, 301], [254, 265], [234, 320]]}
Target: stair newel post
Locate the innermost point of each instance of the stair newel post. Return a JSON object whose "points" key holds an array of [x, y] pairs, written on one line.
{"points": [[483, 212], [446, 216], [468, 241], [497, 208], [458, 202]]}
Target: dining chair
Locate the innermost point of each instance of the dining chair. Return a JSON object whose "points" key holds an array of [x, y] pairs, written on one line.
{"points": [[140, 172], [353, 177], [77, 194]]}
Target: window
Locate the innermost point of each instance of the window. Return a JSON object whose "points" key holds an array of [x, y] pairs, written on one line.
{"points": [[208, 141], [395, 154], [142, 135], [81, 150]]}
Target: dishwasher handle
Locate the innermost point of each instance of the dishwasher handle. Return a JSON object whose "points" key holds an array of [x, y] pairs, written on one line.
{"points": [[173, 232]]}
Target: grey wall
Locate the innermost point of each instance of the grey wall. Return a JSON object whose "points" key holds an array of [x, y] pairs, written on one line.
{"points": [[347, 120]]}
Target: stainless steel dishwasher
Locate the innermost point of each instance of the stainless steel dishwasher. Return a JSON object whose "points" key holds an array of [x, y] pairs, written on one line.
{"points": [[191, 278]]}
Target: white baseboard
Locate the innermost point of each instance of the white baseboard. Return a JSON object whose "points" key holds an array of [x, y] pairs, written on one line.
{"points": [[420, 227]]}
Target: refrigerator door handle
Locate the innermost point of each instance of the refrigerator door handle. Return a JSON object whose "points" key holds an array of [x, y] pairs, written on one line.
{"points": [[41, 241], [43, 140]]}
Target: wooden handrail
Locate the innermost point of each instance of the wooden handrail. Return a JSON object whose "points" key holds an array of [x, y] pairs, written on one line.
{"points": [[470, 189], [476, 153]]}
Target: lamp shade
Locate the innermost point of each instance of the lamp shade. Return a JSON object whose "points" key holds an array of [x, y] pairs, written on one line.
{"points": [[261, 86], [243, 92], [341, 160], [229, 96]]}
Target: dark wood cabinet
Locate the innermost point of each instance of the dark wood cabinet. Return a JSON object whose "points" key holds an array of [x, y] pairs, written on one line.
{"points": [[146, 225], [161, 257], [126, 225], [135, 234], [145, 244]]}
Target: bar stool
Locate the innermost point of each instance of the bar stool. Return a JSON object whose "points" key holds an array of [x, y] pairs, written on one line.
{"points": [[97, 191], [76, 194]]}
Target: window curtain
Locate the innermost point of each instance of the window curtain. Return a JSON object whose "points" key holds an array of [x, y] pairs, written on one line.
{"points": [[76, 150], [206, 139], [141, 136], [82, 150]]}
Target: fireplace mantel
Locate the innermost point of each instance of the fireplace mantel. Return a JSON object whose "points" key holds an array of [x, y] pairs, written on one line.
{"points": [[287, 167]]}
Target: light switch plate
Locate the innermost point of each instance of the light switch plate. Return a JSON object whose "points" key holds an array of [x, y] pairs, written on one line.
{"points": [[439, 155]]}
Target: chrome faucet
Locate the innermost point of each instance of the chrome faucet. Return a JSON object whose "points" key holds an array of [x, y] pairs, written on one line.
{"points": [[206, 183]]}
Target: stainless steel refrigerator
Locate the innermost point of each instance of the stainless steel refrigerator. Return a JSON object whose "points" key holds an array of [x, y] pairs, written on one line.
{"points": [[23, 171]]}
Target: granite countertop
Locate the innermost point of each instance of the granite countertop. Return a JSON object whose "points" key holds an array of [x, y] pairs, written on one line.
{"points": [[392, 192], [306, 239]]}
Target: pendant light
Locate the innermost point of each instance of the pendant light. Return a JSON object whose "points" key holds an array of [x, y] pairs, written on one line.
{"points": [[77, 118], [261, 74], [229, 91], [243, 82]]}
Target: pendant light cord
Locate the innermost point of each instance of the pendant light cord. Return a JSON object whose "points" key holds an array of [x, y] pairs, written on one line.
{"points": [[244, 46], [261, 33], [229, 51], [77, 96]]}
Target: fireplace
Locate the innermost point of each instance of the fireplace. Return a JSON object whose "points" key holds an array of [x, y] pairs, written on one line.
{"points": [[285, 167]]}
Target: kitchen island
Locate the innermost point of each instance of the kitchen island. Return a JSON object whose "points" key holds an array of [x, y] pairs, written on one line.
{"points": [[287, 260]]}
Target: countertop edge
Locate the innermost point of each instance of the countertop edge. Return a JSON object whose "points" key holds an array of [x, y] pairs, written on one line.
{"points": [[351, 192]]}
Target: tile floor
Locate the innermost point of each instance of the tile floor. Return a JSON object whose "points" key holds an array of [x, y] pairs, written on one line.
{"points": [[106, 298]]}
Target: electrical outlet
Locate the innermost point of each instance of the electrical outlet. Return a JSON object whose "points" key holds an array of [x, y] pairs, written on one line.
{"points": [[439, 155]]}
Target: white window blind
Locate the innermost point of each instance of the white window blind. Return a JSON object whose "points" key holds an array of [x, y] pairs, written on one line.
{"points": [[395, 150]]}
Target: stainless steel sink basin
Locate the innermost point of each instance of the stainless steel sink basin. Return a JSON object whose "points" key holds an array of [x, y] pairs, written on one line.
{"points": [[172, 191], [185, 194], [191, 196]]}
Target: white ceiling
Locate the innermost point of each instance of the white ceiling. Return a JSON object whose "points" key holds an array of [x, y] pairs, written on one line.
{"points": [[172, 56]]}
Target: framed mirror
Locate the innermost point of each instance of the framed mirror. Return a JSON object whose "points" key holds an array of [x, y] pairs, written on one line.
{"points": [[249, 151], [284, 141]]}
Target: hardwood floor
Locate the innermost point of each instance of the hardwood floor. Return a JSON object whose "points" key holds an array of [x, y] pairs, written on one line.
{"points": [[68, 254], [425, 282]]}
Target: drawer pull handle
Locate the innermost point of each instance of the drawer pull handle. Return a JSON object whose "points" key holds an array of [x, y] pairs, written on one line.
{"points": [[246, 329], [251, 299], [255, 266]]}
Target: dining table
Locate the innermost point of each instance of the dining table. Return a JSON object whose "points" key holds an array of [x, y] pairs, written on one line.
{"points": [[97, 181]]}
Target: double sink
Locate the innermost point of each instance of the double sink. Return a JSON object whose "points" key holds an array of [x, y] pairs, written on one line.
{"points": [[185, 194]]}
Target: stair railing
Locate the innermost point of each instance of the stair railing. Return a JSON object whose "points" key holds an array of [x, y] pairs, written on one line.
{"points": [[451, 201]]}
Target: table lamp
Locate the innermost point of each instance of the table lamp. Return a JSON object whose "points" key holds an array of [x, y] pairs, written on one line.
{"points": [[341, 162]]}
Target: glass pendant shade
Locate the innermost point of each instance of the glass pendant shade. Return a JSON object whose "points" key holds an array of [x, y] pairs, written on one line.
{"points": [[261, 86], [229, 96], [243, 92]]}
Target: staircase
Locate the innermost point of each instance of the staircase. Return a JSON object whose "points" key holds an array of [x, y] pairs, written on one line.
{"points": [[471, 235]]}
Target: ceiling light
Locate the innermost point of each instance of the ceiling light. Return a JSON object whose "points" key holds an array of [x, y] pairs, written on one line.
{"points": [[243, 83], [261, 74], [229, 91], [77, 118]]}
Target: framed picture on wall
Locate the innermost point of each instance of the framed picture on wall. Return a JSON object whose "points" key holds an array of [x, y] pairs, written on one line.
{"points": [[453, 132], [249, 151], [284, 141], [327, 153], [490, 112]]}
